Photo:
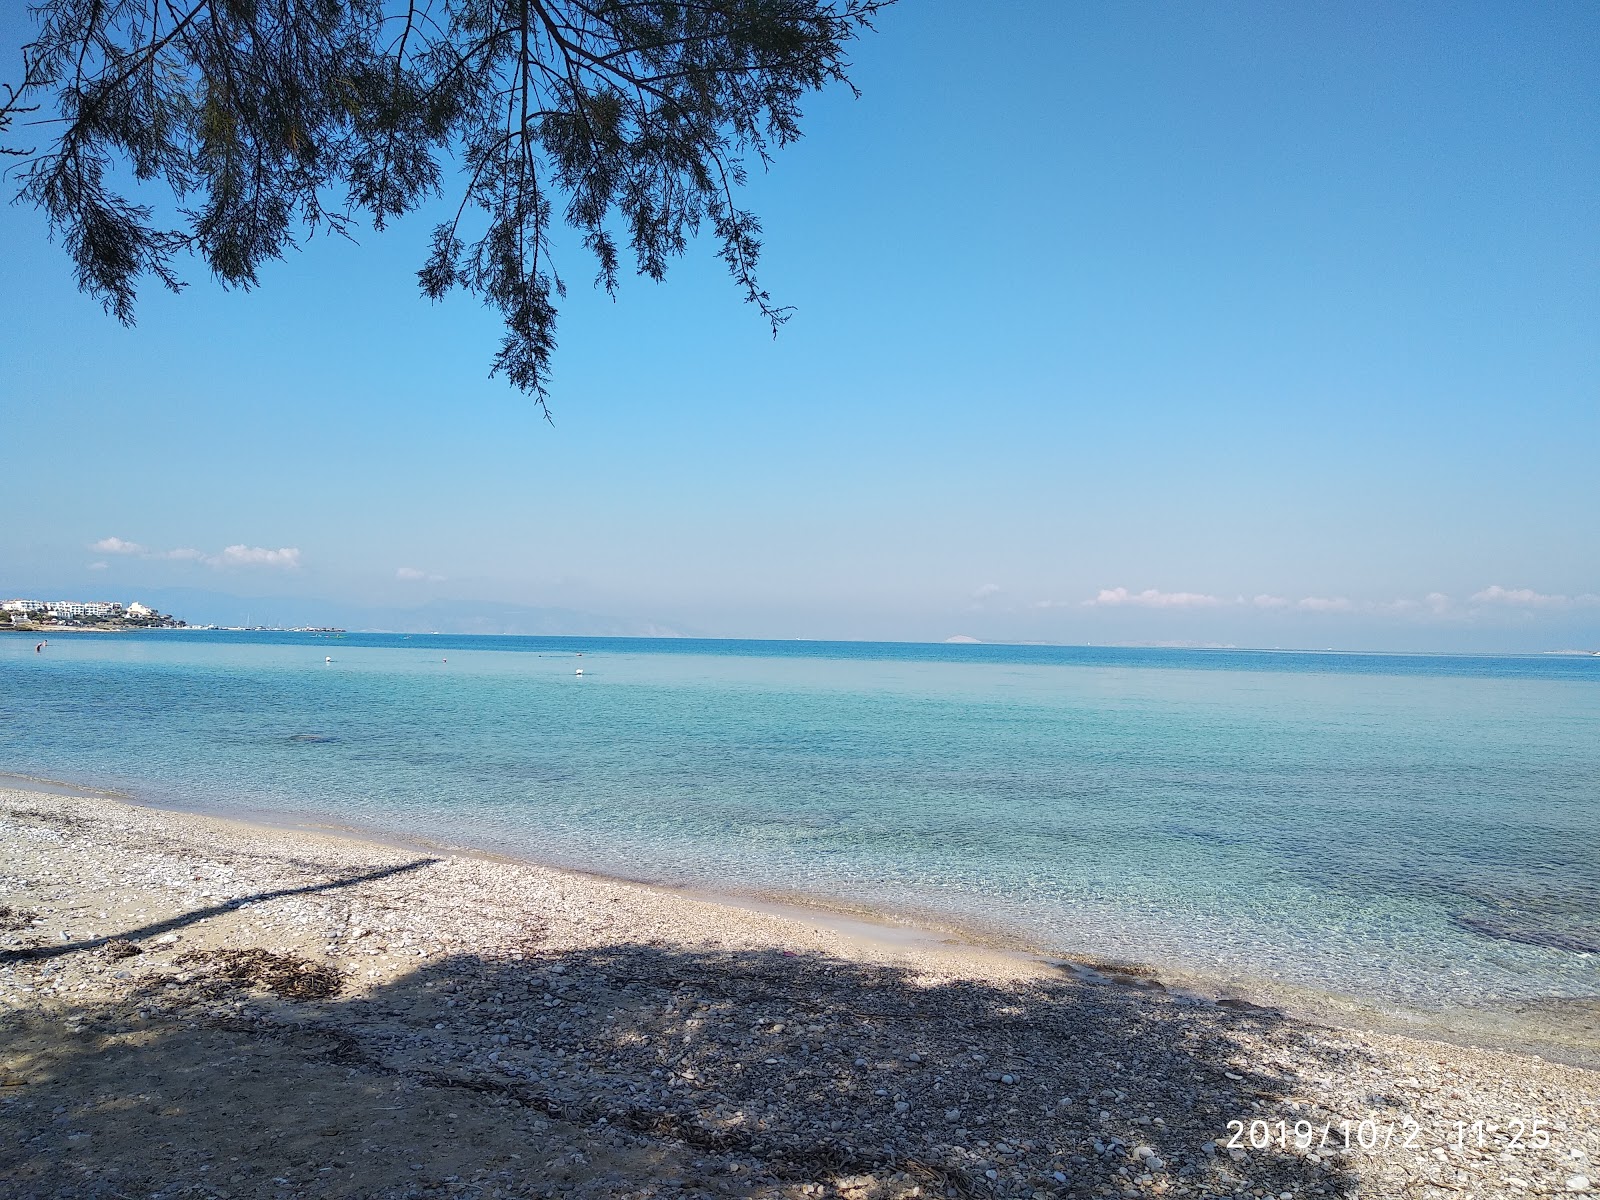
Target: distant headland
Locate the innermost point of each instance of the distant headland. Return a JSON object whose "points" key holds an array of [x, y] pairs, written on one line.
{"points": [[35, 616]]}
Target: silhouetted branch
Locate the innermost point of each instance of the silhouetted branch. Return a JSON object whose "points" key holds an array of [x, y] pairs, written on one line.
{"points": [[638, 111]]}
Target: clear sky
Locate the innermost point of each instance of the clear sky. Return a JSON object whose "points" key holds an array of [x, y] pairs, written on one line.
{"points": [[1244, 323]]}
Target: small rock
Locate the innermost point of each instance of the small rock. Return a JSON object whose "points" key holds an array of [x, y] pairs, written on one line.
{"points": [[1578, 1183]]}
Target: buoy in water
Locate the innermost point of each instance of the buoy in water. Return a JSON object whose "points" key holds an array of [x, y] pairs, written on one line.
{"points": [[579, 671], [327, 658]]}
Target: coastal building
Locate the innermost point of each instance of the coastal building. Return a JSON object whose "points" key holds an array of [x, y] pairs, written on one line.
{"points": [[83, 608], [139, 610], [23, 606]]}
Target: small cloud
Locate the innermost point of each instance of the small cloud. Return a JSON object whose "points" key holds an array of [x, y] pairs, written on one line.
{"points": [[257, 556], [1150, 598], [182, 554], [1325, 604], [1266, 601], [115, 545], [98, 566], [413, 574], [987, 590], [1438, 602]]}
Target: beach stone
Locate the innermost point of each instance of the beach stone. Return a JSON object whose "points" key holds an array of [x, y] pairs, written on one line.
{"points": [[1578, 1183]]}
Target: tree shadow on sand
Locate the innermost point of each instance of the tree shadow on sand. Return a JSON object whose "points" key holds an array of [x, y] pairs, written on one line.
{"points": [[637, 1070]]}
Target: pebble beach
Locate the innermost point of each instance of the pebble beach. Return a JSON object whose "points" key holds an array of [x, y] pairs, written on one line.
{"points": [[192, 1006]]}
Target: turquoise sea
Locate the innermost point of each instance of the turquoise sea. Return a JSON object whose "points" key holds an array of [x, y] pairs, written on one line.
{"points": [[1423, 831]]}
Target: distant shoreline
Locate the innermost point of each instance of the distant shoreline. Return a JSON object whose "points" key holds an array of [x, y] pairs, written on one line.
{"points": [[1200, 651], [87, 628]]}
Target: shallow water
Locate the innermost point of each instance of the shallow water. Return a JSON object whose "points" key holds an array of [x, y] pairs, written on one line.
{"points": [[1417, 830]]}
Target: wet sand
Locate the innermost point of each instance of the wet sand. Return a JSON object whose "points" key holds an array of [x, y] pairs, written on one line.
{"points": [[192, 1005]]}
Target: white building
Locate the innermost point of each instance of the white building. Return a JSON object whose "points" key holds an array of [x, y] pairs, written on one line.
{"points": [[83, 608], [23, 606], [139, 610]]}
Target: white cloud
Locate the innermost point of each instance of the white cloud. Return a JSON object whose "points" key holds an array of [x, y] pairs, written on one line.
{"points": [[413, 574], [238, 555], [1150, 598], [115, 545], [987, 590], [1528, 598], [98, 566], [256, 556], [1433, 605]]}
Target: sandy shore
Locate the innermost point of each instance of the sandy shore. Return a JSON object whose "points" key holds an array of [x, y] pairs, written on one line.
{"points": [[193, 1006]]}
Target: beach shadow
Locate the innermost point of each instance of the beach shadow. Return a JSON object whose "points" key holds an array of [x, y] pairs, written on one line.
{"points": [[172, 924], [643, 1070]]}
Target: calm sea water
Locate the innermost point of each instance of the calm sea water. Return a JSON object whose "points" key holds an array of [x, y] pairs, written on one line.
{"points": [[1419, 830]]}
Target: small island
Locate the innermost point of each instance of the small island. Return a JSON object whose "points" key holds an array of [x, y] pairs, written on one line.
{"points": [[107, 616]]}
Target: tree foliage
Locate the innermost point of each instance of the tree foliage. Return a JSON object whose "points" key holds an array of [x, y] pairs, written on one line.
{"points": [[269, 120]]}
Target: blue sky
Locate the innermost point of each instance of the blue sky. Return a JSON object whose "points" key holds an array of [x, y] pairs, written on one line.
{"points": [[1253, 324]]}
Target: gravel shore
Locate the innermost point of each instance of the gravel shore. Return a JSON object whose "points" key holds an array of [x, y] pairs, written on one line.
{"points": [[196, 1007]]}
